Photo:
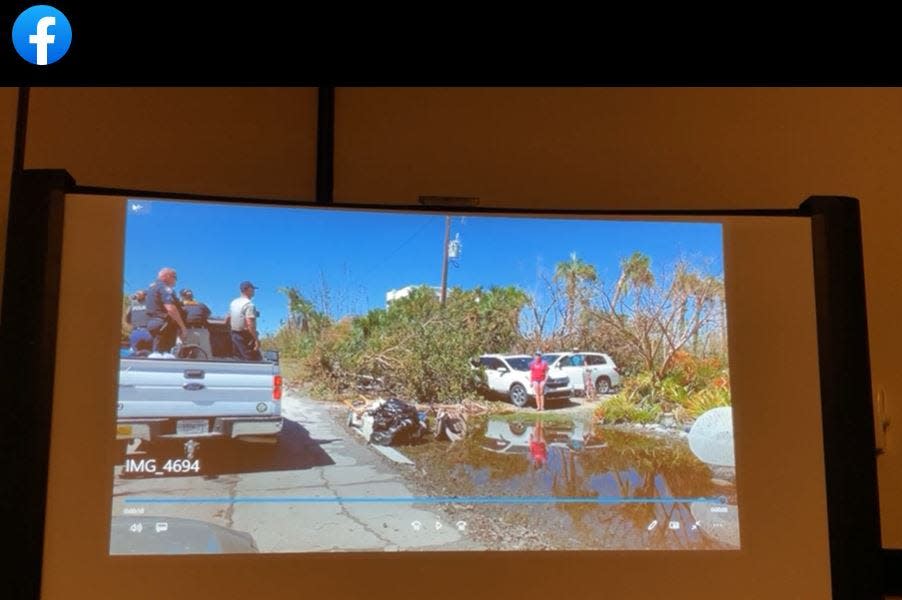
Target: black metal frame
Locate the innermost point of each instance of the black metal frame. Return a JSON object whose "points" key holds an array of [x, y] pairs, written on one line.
{"points": [[859, 567]]}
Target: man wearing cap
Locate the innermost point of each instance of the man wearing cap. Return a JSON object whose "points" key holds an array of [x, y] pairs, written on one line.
{"points": [[196, 314], [243, 324], [164, 317]]}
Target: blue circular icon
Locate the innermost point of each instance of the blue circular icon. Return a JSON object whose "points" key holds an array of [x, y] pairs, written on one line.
{"points": [[42, 35]]}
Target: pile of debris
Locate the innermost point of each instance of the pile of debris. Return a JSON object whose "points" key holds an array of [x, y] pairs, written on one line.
{"points": [[394, 422], [391, 422]]}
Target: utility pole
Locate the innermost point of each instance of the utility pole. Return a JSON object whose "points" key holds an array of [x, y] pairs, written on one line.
{"points": [[445, 259]]}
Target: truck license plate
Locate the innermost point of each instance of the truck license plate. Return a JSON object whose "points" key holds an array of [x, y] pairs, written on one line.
{"points": [[192, 427]]}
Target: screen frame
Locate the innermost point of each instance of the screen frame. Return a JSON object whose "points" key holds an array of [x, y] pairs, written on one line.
{"points": [[34, 244]]}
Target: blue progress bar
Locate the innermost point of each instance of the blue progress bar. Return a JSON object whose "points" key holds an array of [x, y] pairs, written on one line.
{"points": [[419, 500]]}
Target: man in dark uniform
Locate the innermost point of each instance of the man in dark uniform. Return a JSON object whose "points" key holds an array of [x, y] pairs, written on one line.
{"points": [[196, 315], [164, 317], [139, 339]]}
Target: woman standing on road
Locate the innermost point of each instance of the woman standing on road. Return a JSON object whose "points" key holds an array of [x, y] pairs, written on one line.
{"points": [[538, 372]]}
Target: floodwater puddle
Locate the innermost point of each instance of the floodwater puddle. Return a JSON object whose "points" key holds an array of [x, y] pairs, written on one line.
{"points": [[582, 485]]}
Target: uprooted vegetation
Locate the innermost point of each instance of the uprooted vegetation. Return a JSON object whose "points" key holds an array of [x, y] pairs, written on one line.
{"points": [[414, 349]]}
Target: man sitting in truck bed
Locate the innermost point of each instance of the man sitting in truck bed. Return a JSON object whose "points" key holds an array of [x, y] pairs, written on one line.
{"points": [[139, 340]]}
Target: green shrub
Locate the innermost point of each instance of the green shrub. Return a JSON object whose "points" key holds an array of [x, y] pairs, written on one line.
{"points": [[620, 408], [705, 400], [417, 349], [697, 373], [691, 384], [672, 390]]}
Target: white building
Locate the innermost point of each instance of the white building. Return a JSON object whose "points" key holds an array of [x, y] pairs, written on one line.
{"points": [[392, 295]]}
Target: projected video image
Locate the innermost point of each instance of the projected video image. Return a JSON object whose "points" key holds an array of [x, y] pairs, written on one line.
{"points": [[324, 380]]}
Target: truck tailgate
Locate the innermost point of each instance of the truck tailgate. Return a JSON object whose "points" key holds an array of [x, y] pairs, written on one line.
{"points": [[193, 388]]}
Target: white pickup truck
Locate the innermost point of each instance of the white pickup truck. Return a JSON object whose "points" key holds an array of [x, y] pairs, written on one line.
{"points": [[191, 400]]}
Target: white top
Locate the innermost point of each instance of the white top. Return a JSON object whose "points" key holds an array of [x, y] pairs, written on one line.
{"points": [[240, 309]]}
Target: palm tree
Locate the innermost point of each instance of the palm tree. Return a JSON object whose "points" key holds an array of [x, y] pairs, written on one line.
{"points": [[302, 313], [573, 272], [685, 285], [635, 272]]}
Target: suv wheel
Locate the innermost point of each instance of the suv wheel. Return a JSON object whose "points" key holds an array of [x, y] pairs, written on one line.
{"points": [[518, 395], [517, 428], [603, 385]]}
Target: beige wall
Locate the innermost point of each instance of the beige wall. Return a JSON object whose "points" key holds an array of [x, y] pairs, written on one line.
{"points": [[572, 147], [238, 141]]}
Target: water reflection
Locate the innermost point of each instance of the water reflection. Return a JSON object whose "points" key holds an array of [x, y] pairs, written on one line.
{"points": [[511, 437], [594, 486], [538, 447]]}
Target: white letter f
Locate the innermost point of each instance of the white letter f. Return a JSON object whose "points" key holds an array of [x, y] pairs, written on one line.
{"points": [[41, 39]]}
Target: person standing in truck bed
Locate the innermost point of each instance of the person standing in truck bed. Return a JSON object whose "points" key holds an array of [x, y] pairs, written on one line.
{"points": [[196, 314], [243, 324]]}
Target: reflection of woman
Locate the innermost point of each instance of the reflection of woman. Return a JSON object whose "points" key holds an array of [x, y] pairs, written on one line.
{"points": [[538, 449]]}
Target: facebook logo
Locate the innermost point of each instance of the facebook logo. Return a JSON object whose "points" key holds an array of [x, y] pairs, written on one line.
{"points": [[42, 35]]}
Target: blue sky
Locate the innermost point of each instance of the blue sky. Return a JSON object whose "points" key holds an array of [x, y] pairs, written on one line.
{"points": [[361, 255]]}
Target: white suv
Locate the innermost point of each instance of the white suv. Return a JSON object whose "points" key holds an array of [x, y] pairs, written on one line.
{"points": [[605, 374], [508, 374]]}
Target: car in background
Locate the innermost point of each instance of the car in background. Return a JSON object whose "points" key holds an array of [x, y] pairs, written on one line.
{"points": [[605, 374], [508, 375]]}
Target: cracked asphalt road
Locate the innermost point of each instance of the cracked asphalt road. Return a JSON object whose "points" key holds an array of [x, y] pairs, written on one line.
{"points": [[314, 492]]}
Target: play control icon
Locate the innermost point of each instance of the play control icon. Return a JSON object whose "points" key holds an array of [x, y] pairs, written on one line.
{"points": [[653, 524], [416, 525], [438, 525], [461, 525]]}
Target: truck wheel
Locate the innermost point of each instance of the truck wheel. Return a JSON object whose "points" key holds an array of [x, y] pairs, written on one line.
{"points": [[518, 395]]}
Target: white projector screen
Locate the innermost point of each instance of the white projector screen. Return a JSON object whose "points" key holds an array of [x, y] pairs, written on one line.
{"points": [[678, 365]]}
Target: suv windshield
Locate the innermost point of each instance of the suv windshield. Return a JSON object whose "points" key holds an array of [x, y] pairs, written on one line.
{"points": [[520, 363], [550, 358]]}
